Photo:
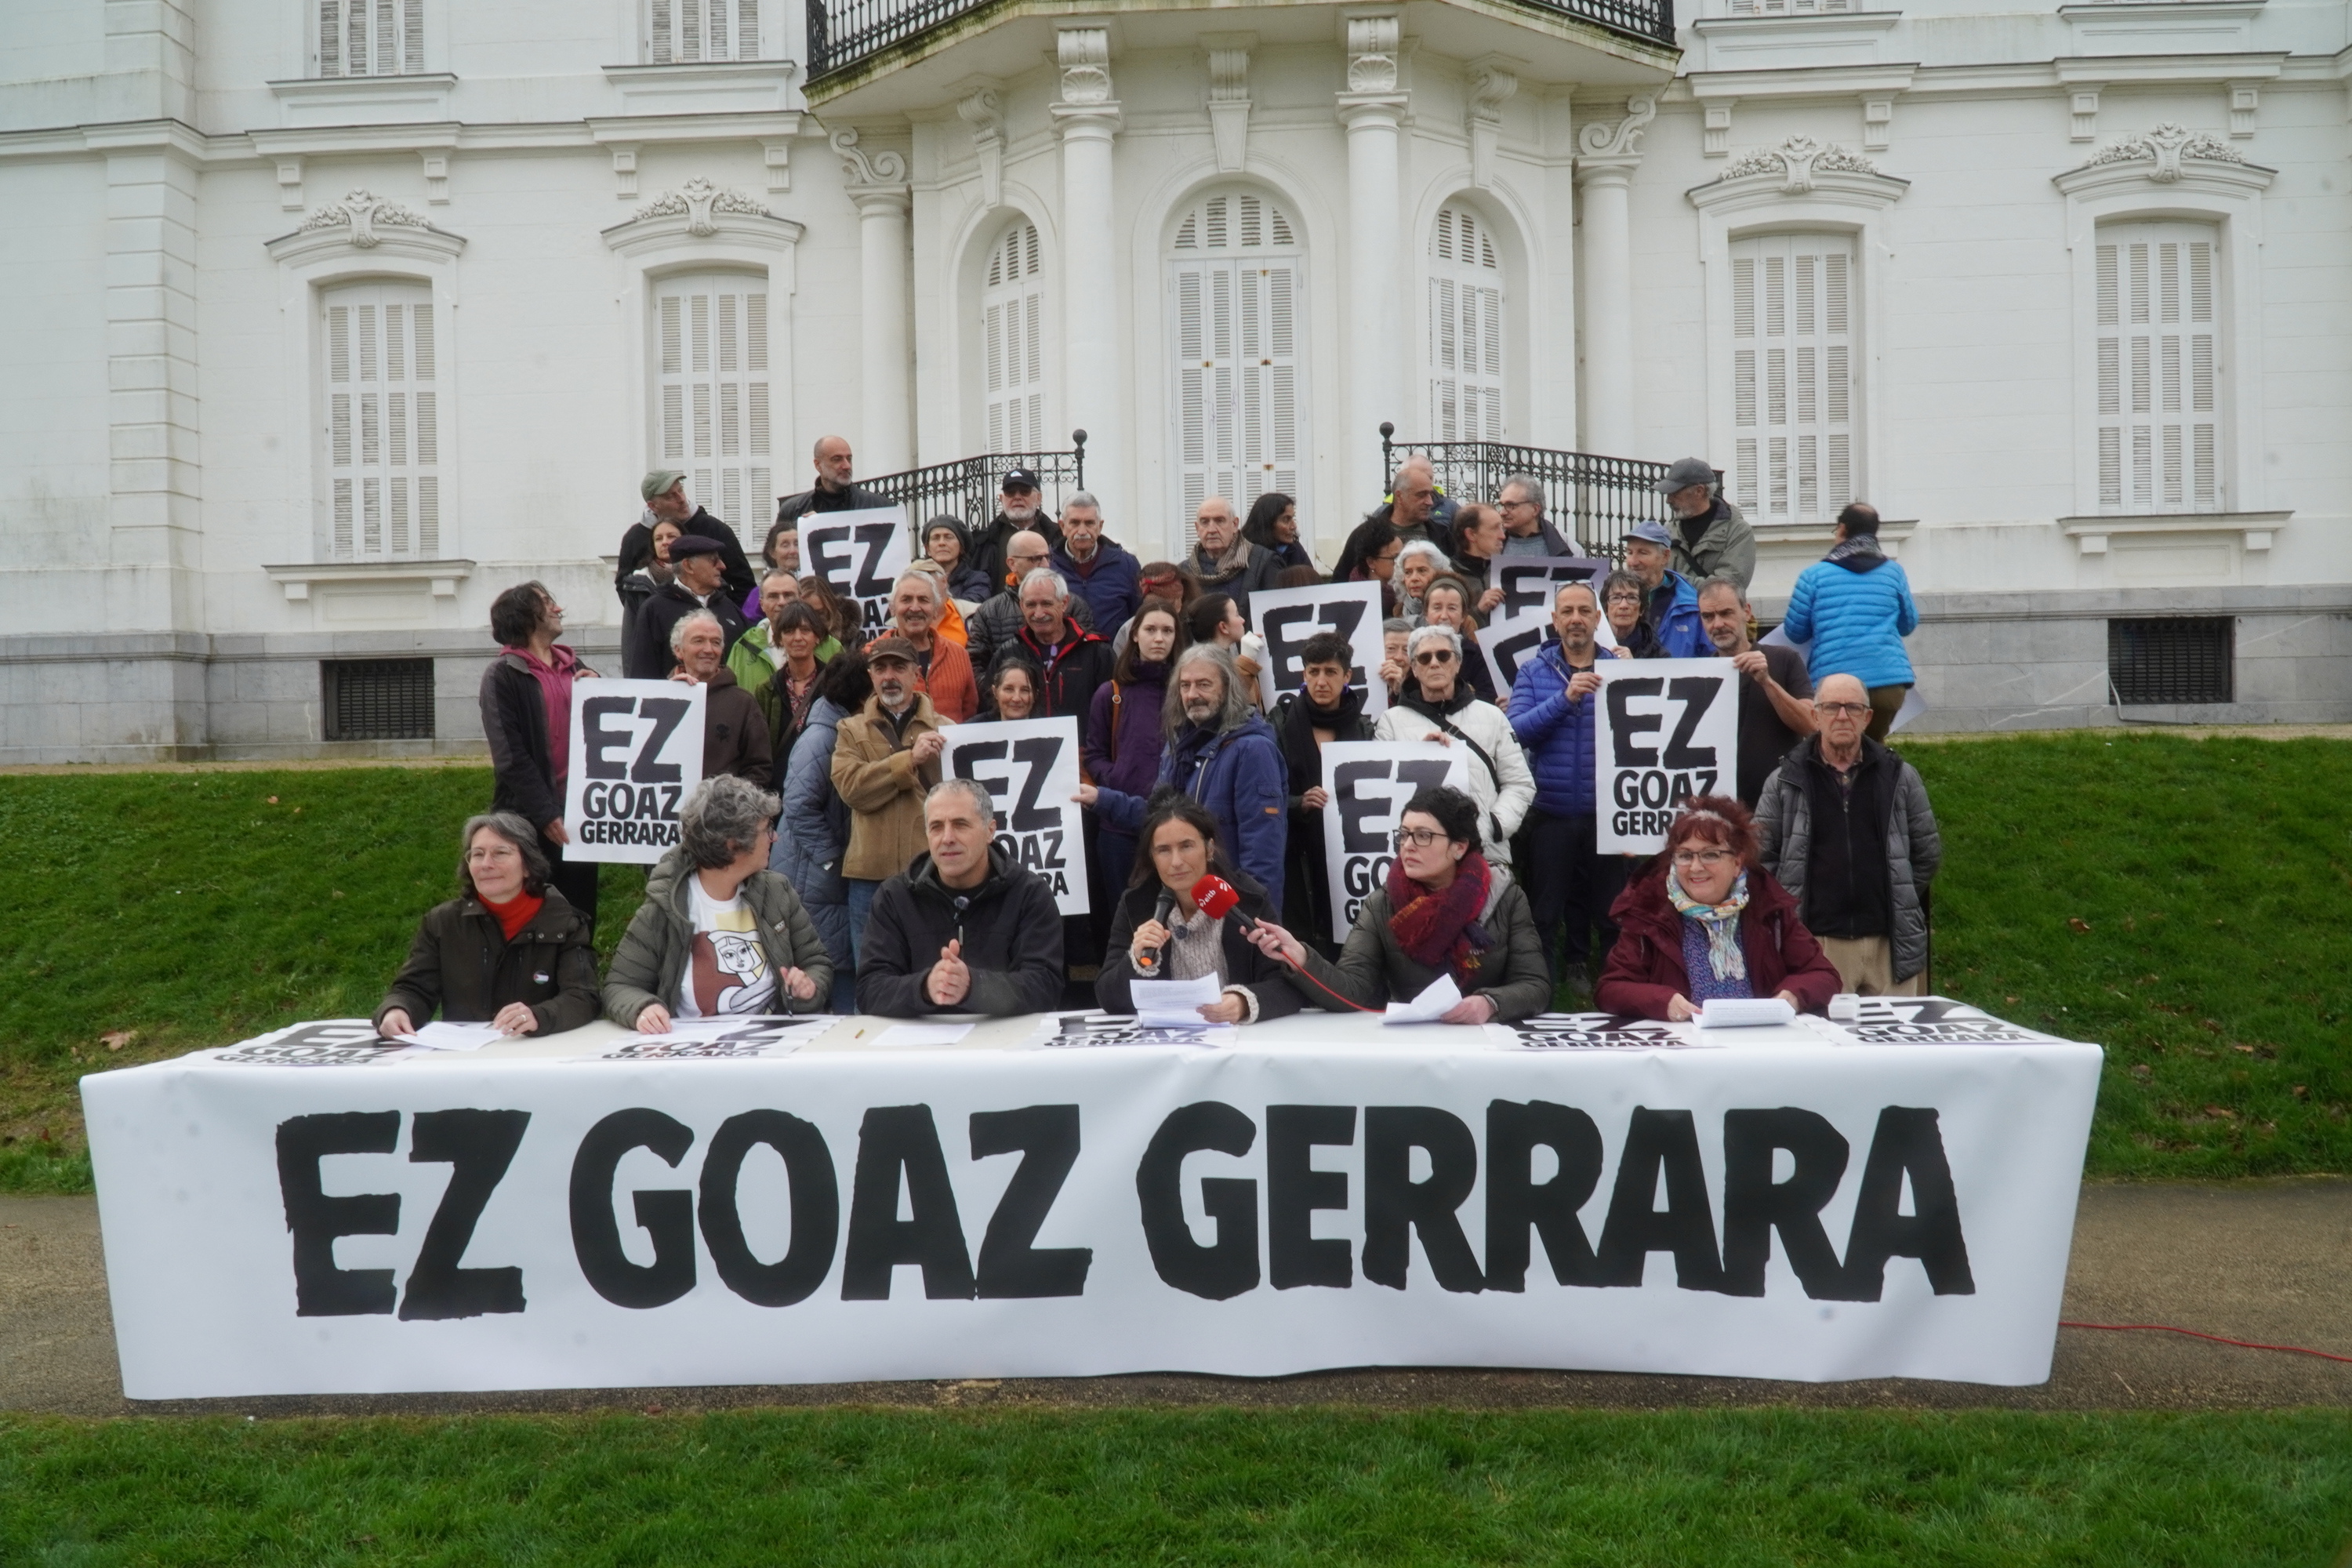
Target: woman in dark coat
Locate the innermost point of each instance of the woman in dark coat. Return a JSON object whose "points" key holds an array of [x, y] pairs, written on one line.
{"points": [[1709, 921], [1123, 736], [1273, 526], [1180, 840], [511, 951], [946, 542]]}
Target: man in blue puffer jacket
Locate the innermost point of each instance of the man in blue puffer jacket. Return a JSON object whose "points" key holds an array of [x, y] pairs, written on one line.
{"points": [[1854, 606], [1551, 712], [1225, 757], [1672, 607]]}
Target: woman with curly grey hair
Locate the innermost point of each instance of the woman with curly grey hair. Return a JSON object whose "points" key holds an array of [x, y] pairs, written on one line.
{"points": [[510, 950], [719, 934]]}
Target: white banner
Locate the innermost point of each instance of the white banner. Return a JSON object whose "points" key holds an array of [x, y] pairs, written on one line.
{"points": [[1369, 782], [1287, 617], [1508, 642], [635, 755], [1030, 767], [859, 554], [1789, 1208], [1665, 729]]}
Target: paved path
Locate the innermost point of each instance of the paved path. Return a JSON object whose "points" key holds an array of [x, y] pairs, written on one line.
{"points": [[2253, 1260]]}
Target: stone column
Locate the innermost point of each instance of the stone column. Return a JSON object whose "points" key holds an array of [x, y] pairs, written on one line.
{"points": [[1379, 327], [1607, 156], [1094, 371], [885, 439]]}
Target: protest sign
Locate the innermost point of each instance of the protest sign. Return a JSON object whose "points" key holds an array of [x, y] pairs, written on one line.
{"points": [[1368, 783], [636, 754], [1528, 582], [859, 554], [1666, 728], [1030, 768], [1509, 641], [1287, 617]]}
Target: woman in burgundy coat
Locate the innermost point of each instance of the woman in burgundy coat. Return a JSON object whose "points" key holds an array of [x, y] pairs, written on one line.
{"points": [[1709, 921]]}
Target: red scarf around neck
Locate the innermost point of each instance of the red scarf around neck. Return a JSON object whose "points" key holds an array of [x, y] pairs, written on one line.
{"points": [[1441, 930]]}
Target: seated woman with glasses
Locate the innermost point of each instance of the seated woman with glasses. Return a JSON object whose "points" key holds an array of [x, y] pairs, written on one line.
{"points": [[1443, 910], [1709, 921]]}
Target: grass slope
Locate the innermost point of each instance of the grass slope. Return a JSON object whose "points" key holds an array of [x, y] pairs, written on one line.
{"points": [[851, 1486], [2173, 900]]}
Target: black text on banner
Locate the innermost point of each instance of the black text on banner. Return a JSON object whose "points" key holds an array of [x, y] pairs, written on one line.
{"points": [[1287, 617], [635, 756], [1368, 783], [859, 554], [1665, 729], [1030, 768]]}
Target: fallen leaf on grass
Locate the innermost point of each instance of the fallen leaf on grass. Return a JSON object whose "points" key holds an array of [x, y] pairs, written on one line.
{"points": [[2140, 1071], [2077, 923], [2301, 1090], [2247, 1050], [115, 1039], [273, 800], [2223, 1111]]}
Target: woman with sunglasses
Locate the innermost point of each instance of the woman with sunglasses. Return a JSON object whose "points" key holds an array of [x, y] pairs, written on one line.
{"points": [[1436, 704], [1443, 909], [1707, 920]]}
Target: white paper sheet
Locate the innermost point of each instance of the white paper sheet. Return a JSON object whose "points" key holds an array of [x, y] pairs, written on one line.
{"points": [[907, 1036], [1429, 1007], [1175, 1003], [443, 1037], [1744, 1012]]}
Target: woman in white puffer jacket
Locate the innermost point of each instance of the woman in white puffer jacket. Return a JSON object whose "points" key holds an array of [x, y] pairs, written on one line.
{"points": [[1436, 704]]}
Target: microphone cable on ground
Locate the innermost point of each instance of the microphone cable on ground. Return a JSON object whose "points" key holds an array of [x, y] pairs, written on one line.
{"points": [[2196, 1334]]}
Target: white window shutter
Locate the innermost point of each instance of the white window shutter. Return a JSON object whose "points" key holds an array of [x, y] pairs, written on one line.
{"points": [[1013, 313], [380, 436], [1465, 329], [1237, 282], [2157, 408], [1792, 403], [682, 31], [369, 38], [711, 395]]}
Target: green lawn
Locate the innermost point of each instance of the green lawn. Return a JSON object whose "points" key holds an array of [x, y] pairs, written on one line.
{"points": [[1720, 1488], [2172, 899]]}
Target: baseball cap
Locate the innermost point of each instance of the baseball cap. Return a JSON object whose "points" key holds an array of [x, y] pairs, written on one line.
{"points": [[1647, 531], [1687, 472], [658, 481], [695, 544], [1021, 479], [889, 647]]}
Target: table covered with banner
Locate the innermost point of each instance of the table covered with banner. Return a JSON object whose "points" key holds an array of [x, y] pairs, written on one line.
{"points": [[802, 1201]]}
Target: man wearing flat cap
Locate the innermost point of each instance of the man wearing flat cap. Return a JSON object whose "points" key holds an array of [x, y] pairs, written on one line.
{"points": [[1019, 510], [663, 492], [1711, 536], [698, 583]]}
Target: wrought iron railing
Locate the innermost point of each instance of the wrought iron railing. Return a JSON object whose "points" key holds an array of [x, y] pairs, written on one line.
{"points": [[843, 32], [1591, 498], [968, 488]]}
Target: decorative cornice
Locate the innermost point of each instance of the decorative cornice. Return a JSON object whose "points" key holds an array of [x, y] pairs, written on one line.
{"points": [[363, 221], [1229, 100], [2168, 155], [1623, 139], [885, 168], [1795, 160], [1372, 47], [2165, 147], [1491, 85], [1801, 166], [1083, 54], [699, 214], [361, 211], [984, 110], [699, 203]]}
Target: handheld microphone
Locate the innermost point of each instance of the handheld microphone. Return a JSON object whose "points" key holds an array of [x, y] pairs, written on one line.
{"points": [[1149, 961], [1216, 895]]}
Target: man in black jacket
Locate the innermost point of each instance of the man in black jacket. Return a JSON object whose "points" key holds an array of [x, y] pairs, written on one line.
{"points": [[697, 587], [833, 490], [665, 494], [1018, 512], [526, 702], [1325, 709], [963, 928], [1225, 561]]}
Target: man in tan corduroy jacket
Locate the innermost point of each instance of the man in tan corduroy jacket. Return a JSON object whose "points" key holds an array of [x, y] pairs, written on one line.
{"points": [[885, 759]]}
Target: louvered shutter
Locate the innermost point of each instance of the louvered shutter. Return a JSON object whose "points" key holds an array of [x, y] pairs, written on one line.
{"points": [[1792, 377], [2158, 414], [382, 427], [678, 31], [711, 390], [370, 38], [1012, 314], [1465, 329], [1237, 285]]}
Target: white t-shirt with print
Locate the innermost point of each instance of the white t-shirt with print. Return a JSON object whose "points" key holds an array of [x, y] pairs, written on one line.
{"points": [[727, 970]]}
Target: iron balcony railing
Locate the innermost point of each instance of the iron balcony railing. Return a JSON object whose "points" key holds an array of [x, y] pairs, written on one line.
{"points": [[843, 32], [1591, 498], [967, 488]]}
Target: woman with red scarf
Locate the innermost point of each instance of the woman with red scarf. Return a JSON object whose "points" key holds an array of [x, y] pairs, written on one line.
{"points": [[1444, 910]]}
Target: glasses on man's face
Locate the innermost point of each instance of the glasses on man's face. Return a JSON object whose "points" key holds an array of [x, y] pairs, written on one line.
{"points": [[1438, 655], [1834, 709], [1419, 837], [1691, 860]]}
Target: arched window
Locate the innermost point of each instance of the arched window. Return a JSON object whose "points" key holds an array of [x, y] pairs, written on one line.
{"points": [[711, 390], [383, 422], [1237, 285], [1465, 329], [1013, 306]]}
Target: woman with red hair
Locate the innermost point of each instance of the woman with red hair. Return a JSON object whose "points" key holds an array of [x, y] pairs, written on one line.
{"points": [[1709, 921]]}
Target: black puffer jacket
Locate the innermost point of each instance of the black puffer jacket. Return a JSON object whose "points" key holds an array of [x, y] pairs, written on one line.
{"points": [[463, 965], [1012, 936], [1245, 966]]}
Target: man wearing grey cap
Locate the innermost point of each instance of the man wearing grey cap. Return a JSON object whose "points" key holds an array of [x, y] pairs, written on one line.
{"points": [[663, 492], [1670, 605], [1711, 536]]}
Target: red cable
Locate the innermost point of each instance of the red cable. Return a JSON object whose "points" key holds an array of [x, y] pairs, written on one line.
{"points": [[1326, 991], [2194, 1334]]}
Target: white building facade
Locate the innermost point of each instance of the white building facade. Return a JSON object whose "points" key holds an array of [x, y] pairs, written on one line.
{"points": [[329, 319]]}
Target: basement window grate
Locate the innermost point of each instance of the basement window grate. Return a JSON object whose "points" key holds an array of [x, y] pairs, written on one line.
{"points": [[2172, 659], [378, 699]]}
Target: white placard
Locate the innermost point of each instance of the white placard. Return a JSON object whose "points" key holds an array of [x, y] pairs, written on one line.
{"points": [[636, 754], [474, 1222], [1368, 783], [1509, 641], [1528, 582], [859, 554], [1287, 617], [1030, 767], [1665, 730]]}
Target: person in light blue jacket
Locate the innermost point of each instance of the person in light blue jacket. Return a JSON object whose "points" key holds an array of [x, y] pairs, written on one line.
{"points": [[1854, 608], [1672, 609], [812, 832]]}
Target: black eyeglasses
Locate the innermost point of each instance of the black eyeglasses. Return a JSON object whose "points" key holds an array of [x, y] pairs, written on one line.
{"points": [[1420, 838], [1441, 656]]}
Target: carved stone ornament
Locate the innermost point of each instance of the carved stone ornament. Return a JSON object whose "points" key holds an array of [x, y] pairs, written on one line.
{"points": [[1623, 139], [864, 169], [1796, 160], [1084, 54], [1373, 54], [984, 111], [363, 212], [2166, 146], [697, 201], [1490, 87]]}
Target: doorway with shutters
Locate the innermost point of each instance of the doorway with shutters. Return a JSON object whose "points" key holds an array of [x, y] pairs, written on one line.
{"points": [[1237, 318], [1012, 343], [710, 397], [1465, 329]]}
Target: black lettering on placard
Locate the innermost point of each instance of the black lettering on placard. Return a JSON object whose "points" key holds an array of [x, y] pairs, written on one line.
{"points": [[1226, 1269], [602, 742], [892, 1138], [1696, 693], [1284, 645], [1040, 753], [1754, 1205], [1907, 1140], [1516, 1201], [1396, 1204], [1685, 1227], [816, 1207], [1047, 1138], [1295, 1190], [1355, 810], [315, 1220], [478, 1146], [666, 712], [667, 1214], [1514, 651], [874, 538], [1625, 727], [968, 759]]}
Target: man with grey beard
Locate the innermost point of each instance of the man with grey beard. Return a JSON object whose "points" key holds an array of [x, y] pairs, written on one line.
{"points": [[1019, 510], [884, 760]]}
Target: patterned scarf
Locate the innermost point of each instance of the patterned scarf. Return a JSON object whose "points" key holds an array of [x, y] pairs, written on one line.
{"points": [[1441, 930], [1721, 923], [1857, 552]]}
